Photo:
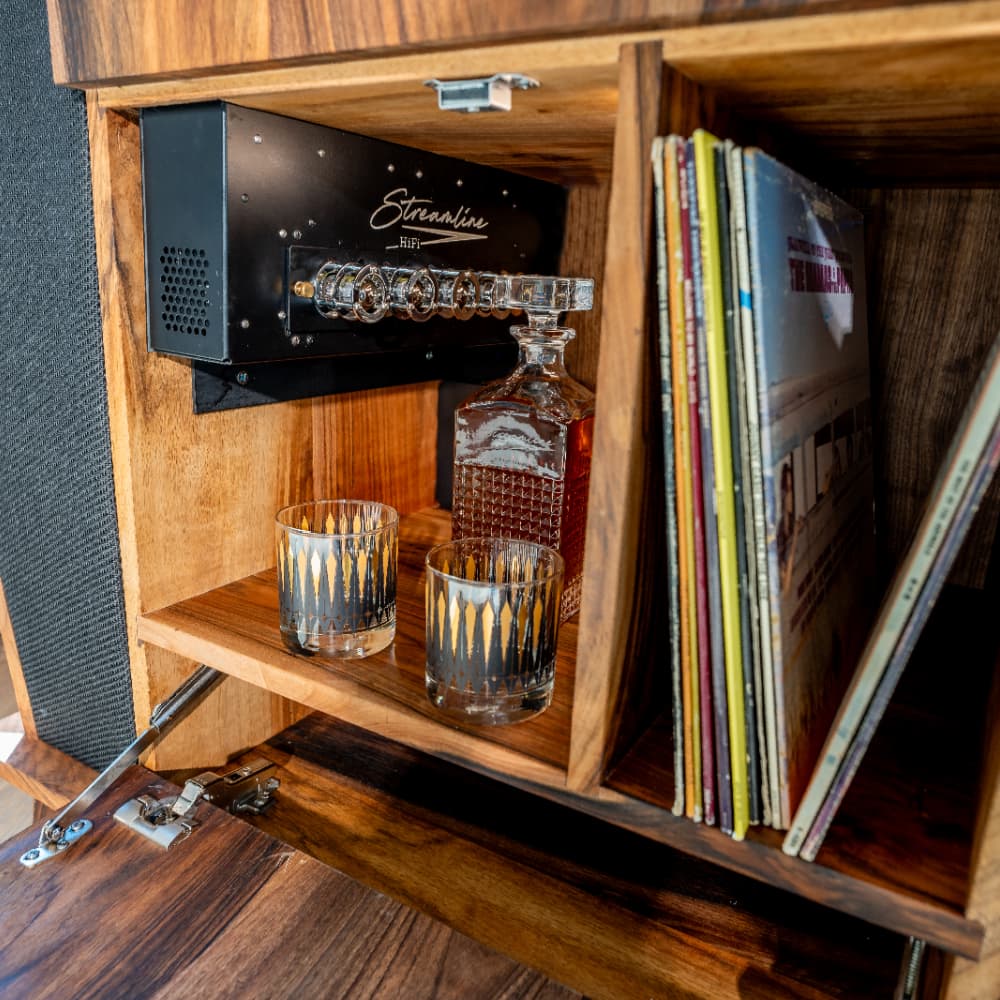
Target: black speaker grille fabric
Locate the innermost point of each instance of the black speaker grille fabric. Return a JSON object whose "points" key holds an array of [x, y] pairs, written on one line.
{"points": [[59, 554]]}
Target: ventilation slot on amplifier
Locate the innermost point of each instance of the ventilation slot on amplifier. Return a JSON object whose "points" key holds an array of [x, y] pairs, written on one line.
{"points": [[184, 290]]}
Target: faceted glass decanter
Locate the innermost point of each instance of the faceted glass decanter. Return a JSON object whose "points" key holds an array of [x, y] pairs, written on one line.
{"points": [[523, 444]]}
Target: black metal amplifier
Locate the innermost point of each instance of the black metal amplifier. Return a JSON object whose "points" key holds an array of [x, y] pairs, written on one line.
{"points": [[240, 204]]}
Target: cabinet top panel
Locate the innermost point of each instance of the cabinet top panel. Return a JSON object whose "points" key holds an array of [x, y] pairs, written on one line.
{"points": [[98, 42], [905, 94]]}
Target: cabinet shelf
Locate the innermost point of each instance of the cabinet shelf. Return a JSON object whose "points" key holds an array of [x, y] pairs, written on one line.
{"points": [[235, 629]]}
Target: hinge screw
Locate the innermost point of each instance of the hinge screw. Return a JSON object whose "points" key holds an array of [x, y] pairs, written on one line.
{"points": [[242, 378]]}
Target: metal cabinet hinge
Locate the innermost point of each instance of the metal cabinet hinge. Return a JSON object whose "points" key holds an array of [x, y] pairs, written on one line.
{"points": [[487, 93], [169, 820]]}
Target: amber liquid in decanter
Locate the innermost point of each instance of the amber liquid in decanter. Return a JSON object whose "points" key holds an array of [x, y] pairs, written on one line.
{"points": [[522, 456]]}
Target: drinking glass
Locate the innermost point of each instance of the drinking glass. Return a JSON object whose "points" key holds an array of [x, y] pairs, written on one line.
{"points": [[492, 609], [337, 563]]}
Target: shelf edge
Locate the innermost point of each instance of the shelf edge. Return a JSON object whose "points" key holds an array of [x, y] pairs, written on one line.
{"points": [[344, 699]]}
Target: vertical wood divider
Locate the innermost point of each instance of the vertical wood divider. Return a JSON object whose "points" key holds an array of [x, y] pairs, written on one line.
{"points": [[620, 454], [622, 609]]}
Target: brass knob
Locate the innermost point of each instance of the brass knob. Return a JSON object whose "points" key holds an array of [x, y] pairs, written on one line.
{"points": [[304, 289]]}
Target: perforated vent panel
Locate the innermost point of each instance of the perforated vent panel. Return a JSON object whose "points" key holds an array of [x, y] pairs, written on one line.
{"points": [[185, 290]]}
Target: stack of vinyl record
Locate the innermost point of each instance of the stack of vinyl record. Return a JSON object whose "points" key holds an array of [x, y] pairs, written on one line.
{"points": [[768, 443]]}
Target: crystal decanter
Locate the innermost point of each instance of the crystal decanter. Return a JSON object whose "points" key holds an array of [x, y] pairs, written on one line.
{"points": [[523, 444]]}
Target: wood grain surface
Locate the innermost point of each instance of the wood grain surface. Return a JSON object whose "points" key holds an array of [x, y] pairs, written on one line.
{"points": [[101, 40], [235, 629], [602, 910], [45, 773], [942, 307], [906, 826], [228, 912], [180, 481], [920, 813], [902, 92], [621, 458]]}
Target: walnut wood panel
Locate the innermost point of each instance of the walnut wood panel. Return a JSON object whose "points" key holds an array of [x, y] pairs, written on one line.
{"points": [[896, 93], [562, 129], [234, 912], [942, 305], [583, 255], [45, 773], [235, 629], [9, 653], [377, 446], [96, 41], [967, 980], [599, 909]]}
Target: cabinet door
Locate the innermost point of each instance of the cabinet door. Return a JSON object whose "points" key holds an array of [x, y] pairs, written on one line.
{"points": [[229, 911]]}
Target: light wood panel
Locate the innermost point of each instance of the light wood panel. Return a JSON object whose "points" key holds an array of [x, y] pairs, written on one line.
{"points": [[621, 450], [181, 481], [13, 665]]}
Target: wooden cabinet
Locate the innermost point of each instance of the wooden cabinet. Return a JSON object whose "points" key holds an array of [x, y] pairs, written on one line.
{"points": [[897, 105]]}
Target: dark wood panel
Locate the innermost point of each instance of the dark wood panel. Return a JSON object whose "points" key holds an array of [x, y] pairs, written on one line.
{"points": [[96, 41], [583, 256], [603, 910], [228, 912], [936, 310], [235, 628], [905, 828]]}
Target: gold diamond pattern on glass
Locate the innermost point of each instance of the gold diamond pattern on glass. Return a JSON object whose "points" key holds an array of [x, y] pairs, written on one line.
{"points": [[337, 564], [492, 611]]}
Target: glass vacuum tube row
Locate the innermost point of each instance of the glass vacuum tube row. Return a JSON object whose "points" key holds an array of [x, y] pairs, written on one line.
{"points": [[369, 292]]}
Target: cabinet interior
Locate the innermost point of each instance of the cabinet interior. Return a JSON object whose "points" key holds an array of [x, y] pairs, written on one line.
{"points": [[863, 108]]}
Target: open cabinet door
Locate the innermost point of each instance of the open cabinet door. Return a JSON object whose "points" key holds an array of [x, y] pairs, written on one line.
{"points": [[229, 911]]}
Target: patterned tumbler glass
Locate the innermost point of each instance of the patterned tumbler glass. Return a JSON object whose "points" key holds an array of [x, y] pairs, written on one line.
{"points": [[337, 564], [492, 622]]}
